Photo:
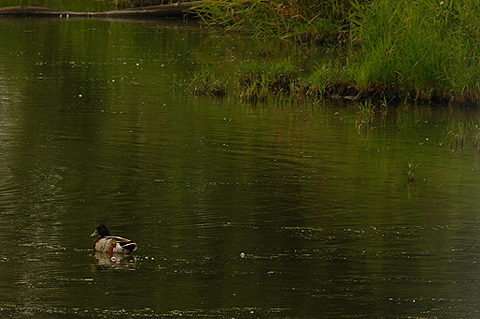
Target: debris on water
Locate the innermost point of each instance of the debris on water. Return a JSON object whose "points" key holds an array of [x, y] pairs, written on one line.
{"points": [[242, 255]]}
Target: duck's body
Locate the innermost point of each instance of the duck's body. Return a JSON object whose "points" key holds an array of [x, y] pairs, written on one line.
{"points": [[111, 244], [114, 244]]}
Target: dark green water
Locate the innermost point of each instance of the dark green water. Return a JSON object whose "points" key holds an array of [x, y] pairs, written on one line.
{"points": [[69, 5], [93, 129]]}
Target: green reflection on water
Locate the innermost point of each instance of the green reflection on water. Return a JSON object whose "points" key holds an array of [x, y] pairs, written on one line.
{"points": [[68, 5], [92, 130]]}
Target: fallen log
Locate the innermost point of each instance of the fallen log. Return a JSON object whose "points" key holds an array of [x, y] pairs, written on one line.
{"points": [[160, 11]]}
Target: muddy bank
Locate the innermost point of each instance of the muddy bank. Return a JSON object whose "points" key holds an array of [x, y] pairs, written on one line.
{"points": [[160, 11]]}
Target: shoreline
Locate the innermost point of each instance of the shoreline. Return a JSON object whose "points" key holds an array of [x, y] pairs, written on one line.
{"points": [[176, 10], [427, 51], [258, 82]]}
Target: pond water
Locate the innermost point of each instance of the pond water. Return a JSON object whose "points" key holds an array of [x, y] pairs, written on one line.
{"points": [[273, 210], [68, 5]]}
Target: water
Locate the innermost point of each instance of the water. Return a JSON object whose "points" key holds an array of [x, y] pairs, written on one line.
{"points": [[94, 130], [68, 5]]}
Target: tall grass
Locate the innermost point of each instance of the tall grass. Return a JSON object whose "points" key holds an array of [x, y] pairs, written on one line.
{"points": [[332, 78], [303, 20], [419, 49], [428, 48]]}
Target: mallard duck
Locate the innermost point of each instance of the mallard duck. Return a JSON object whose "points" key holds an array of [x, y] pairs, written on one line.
{"points": [[111, 244]]}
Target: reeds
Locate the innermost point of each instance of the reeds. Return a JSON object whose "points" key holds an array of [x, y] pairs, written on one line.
{"points": [[464, 132], [411, 173], [366, 115]]}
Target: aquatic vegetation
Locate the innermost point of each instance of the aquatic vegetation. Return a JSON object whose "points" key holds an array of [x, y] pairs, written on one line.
{"points": [[411, 173], [464, 132], [207, 82], [366, 115], [458, 135], [257, 80], [249, 82]]}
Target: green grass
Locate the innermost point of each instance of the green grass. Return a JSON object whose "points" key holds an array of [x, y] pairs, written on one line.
{"points": [[256, 81], [302, 20], [423, 50], [331, 78], [206, 81], [428, 49], [250, 82]]}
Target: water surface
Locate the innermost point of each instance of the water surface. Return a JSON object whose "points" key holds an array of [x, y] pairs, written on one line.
{"points": [[94, 130]]}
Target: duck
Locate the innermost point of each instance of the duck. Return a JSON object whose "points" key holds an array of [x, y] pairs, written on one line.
{"points": [[111, 244]]}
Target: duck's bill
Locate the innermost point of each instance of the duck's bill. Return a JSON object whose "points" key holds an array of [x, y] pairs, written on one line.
{"points": [[95, 233]]}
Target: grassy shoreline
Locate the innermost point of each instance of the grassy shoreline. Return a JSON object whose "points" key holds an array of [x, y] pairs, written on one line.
{"points": [[426, 51], [320, 22]]}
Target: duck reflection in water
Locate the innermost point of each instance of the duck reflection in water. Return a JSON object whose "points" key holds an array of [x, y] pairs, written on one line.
{"points": [[117, 261]]}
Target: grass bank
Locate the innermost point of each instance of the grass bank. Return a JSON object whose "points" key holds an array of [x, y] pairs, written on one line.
{"points": [[302, 20], [426, 50], [250, 82]]}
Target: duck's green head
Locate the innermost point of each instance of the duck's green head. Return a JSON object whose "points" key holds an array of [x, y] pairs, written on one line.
{"points": [[101, 231]]}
